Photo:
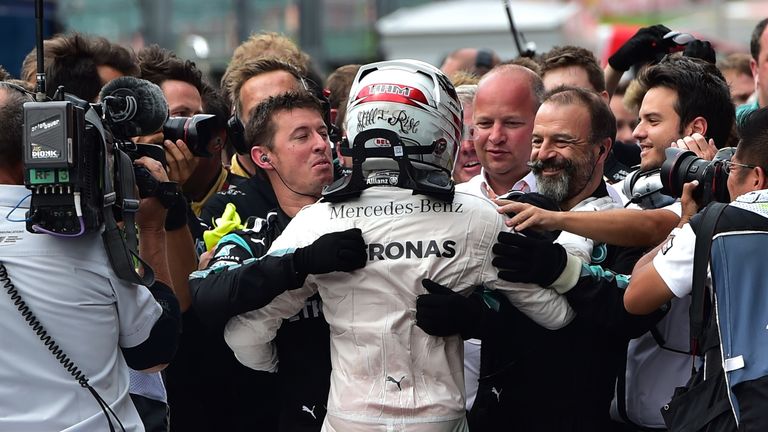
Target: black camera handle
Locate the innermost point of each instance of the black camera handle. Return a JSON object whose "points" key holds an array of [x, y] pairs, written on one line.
{"points": [[53, 347]]}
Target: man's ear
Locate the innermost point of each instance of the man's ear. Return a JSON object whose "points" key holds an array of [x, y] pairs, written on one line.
{"points": [[260, 157], [760, 180], [697, 125], [753, 68], [605, 149]]}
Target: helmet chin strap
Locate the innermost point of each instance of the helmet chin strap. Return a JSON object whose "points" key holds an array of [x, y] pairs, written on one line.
{"points": [[436, 183]]}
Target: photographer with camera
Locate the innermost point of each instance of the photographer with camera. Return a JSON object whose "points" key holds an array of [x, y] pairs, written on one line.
{"points": [[665, 273], [67, 291]]}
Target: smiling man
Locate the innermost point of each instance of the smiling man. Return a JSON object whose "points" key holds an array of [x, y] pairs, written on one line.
{"points": [[467, 165], [572, 137], [685, 101], [505, 105]]}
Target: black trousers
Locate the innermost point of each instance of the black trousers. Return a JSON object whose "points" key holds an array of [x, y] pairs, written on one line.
{"points": [[154, 414]]}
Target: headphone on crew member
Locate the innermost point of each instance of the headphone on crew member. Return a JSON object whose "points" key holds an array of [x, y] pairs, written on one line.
{"points": [[236, 127]]}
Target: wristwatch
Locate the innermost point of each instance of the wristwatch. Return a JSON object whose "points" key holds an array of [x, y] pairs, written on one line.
{"points": [[167, 193]]}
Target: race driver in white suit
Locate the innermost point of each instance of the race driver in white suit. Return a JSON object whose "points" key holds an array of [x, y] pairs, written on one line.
{"points": [[404, 123]]}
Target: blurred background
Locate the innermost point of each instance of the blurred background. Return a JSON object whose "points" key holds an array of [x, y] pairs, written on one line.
{"points": [[337, 32]]}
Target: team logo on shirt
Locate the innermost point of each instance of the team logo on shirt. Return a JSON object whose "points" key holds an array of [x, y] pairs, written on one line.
{"points": [[225, 250], [411, 249]]}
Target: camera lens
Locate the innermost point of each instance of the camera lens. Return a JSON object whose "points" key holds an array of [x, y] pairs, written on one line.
{"points": [[195, 131], [679, 168]]}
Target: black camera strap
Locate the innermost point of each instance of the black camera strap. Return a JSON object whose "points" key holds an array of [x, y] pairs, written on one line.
{"points": [[122, 251], [698, 314]]}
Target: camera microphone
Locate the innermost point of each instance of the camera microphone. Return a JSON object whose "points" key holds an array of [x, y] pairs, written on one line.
{"points": [[133, 106]]}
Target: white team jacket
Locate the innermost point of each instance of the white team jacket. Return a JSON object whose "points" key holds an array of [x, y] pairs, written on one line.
{"points": [[387, 373]]}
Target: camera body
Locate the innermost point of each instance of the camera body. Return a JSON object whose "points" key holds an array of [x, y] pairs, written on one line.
{"points": [[683, 166], [65, 146], [644, 188]]}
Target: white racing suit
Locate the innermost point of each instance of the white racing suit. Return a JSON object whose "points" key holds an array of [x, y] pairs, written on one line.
{"points": [[388, 375]]}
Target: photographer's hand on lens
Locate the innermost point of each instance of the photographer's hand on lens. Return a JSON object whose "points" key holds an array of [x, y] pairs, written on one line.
{"points": [[645, 46], [444, 312], [152, 211], [523, 259], [336, 251], [689, 204], [698, 144], [181, 161], [701, 50]]}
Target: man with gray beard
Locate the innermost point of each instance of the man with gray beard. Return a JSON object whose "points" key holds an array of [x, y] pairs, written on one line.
{"points": [[575, 368]]}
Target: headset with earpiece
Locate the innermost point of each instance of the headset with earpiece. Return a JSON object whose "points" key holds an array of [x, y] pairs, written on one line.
{"points": [[264, 158], [236, 127]]}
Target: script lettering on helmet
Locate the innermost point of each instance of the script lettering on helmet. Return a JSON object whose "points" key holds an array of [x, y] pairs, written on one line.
{"points": [[407, 123], [411, 250], [366, 118]]}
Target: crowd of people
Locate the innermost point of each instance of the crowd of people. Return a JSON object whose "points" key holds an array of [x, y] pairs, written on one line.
{"points": [[484, 245]]}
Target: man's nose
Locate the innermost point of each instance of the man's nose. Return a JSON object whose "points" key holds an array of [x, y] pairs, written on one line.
{"points": [[497, 134]]}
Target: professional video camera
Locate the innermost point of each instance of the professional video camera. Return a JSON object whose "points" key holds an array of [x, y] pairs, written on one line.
{"points": [[77, 168], [683, 166]]}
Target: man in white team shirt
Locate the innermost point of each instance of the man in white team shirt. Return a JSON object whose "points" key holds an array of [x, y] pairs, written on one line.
{"points": [[102, 323]]}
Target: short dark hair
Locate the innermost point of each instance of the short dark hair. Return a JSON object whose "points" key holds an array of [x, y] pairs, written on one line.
{"points": [[754, 42], [215, 103], [260, 129], [602, 120], [236, 76], [72, 61], [159, 65], [12, 124], [701, 91], [753, 146], [570, 55]]}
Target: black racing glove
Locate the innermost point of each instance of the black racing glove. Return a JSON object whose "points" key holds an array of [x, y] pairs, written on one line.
{"points": [[528, 260], [336, 251], [701, 50], [444, 312], [645, 46]]}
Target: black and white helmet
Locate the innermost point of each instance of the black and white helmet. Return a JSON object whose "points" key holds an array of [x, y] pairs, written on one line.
{"points": [[413, 99]]}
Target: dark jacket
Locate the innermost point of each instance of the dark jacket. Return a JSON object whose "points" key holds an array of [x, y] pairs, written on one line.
{"points": [[252, 197], [240, 278], [208, 389], [533, 379]]}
